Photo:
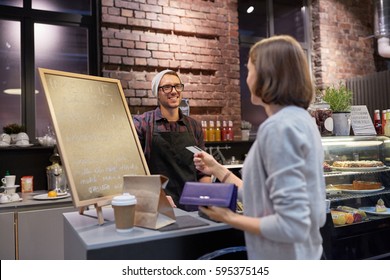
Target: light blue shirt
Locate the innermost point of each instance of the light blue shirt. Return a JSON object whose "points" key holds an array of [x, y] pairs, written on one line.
{"points": [[284, 185]]}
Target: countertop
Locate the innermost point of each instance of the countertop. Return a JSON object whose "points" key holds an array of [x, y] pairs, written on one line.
{"points": [[84, 238], [28, 202]]}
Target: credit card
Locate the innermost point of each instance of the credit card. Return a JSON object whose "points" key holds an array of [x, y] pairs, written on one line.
{"points": [[194, 149]]}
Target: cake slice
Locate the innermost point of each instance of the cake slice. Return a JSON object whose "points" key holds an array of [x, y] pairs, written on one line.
{"points": [[380, 206]]}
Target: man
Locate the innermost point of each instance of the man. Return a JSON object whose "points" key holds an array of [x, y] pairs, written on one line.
{"points": [[164, 134]]}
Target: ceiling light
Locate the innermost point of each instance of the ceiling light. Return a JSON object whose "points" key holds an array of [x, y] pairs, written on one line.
{"points": [[250, 9], [16, 91]]}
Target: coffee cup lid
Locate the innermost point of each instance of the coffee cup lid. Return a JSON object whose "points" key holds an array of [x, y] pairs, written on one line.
{"points": [[123, 200]]}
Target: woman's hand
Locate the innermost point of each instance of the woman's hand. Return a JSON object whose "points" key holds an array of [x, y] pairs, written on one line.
{"points": [[218, 213], [205, 163]]}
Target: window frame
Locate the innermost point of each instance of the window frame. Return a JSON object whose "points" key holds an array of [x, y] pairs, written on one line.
{"points": [[247, 41], [27, 18]]}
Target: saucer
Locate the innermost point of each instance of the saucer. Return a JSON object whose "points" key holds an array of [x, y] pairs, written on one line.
{"points": [[24, 145], [10, 187]]}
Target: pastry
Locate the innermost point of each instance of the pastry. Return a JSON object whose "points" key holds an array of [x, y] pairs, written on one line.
{"points": [[365, 185], [341, 218], [327, 167], [357, 163], [380, 206], [359, 186], [343, 186]]}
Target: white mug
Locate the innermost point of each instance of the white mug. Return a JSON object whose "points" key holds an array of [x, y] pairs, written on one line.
{"points": [[8, 180]]}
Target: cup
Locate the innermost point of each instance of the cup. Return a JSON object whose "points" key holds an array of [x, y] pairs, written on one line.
{"points": [[245, 134], [22, 143], [22, 136], [124, 212], [5, 138], [8, 180]]}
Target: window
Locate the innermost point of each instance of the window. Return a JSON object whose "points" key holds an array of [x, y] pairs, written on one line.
{"points": [[10, 69], [54, 34], [261, 19]]}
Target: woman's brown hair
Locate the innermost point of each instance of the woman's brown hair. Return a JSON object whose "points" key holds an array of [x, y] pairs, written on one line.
{"points": [[283, 75]]}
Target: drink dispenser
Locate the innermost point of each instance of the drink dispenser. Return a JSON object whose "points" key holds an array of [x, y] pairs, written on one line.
{"points": [[56, 179]]}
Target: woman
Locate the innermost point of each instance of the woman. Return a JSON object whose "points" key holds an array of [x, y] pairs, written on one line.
{"points": [[282, 187]]}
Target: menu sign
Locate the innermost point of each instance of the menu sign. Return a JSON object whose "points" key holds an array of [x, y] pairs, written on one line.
{"points": [[361, 121], [95, 134]]}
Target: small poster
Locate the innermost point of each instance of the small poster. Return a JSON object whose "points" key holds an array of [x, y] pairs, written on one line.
{"points": [[361, 121]]}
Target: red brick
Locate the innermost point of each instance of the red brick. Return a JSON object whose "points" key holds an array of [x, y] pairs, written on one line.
{"points": [[139, 53], [168, 33], [140, 61], [150, 37], [151, 8], [114, 51]]}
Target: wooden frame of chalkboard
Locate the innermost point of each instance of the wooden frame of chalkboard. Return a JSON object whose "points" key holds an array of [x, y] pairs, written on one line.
{"points": [[95, 134]]}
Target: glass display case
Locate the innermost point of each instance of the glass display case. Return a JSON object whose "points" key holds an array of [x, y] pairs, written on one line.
{"points": [[367, 234]]}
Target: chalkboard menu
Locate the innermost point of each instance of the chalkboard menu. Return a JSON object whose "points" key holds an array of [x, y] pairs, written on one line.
{"points": [[95, 134]]}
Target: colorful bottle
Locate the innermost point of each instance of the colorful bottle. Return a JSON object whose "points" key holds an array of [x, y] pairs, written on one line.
{"points": [[387, 126], [211, 130], [224, 131], [204, 130], [383, 121], [218, 131], [377, 122], [230, 133]]}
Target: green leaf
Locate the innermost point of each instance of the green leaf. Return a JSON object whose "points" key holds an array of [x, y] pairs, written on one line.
{"points": [[339, 98]]}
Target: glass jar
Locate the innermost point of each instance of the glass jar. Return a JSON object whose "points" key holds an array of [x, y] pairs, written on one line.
{"points": [[56, 179], [322, 114]]}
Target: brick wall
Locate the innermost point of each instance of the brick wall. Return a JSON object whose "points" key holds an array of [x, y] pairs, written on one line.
{"points": [[342, 44], [196, 38], [199, 39]]}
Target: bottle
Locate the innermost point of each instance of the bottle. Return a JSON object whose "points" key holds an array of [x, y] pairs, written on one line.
{"points": [[204, 130], [218, 131], [224, 131], [383, 121], [377, 122], [230, 133], [387, 126], [211, 134]]}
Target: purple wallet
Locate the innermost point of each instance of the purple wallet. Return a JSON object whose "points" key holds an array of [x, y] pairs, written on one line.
{"points": [[210, 194]]}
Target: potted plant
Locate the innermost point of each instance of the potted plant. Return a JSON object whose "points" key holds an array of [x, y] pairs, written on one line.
{"points": [[339, 99]]}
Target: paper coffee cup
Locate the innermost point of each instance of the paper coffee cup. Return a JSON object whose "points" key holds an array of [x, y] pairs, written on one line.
{"points": [[124, 212]]}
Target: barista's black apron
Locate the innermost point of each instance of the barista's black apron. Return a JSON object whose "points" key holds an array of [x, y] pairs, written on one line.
{"points": [[169, 157]]}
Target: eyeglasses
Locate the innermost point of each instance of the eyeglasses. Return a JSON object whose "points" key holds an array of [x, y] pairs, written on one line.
{"points": [[168, 88]]}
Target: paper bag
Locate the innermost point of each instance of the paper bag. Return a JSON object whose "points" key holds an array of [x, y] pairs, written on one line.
{"points": [[153, 209]]}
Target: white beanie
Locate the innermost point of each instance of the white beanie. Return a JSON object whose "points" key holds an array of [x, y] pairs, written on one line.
{"points": [[156, 80]]}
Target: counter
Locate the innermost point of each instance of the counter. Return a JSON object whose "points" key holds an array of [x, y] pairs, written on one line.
{"points": [[33, 229], [86, 239], [29, 203]]}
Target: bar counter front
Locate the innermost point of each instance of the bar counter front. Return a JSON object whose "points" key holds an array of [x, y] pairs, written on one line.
{"points": [[84, 238]]}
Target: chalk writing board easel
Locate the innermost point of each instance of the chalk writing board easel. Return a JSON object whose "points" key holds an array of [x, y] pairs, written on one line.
{"points": [[95, 133]]}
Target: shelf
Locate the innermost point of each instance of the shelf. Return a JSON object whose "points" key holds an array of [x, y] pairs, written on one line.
{"points": [[338, 173]]}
